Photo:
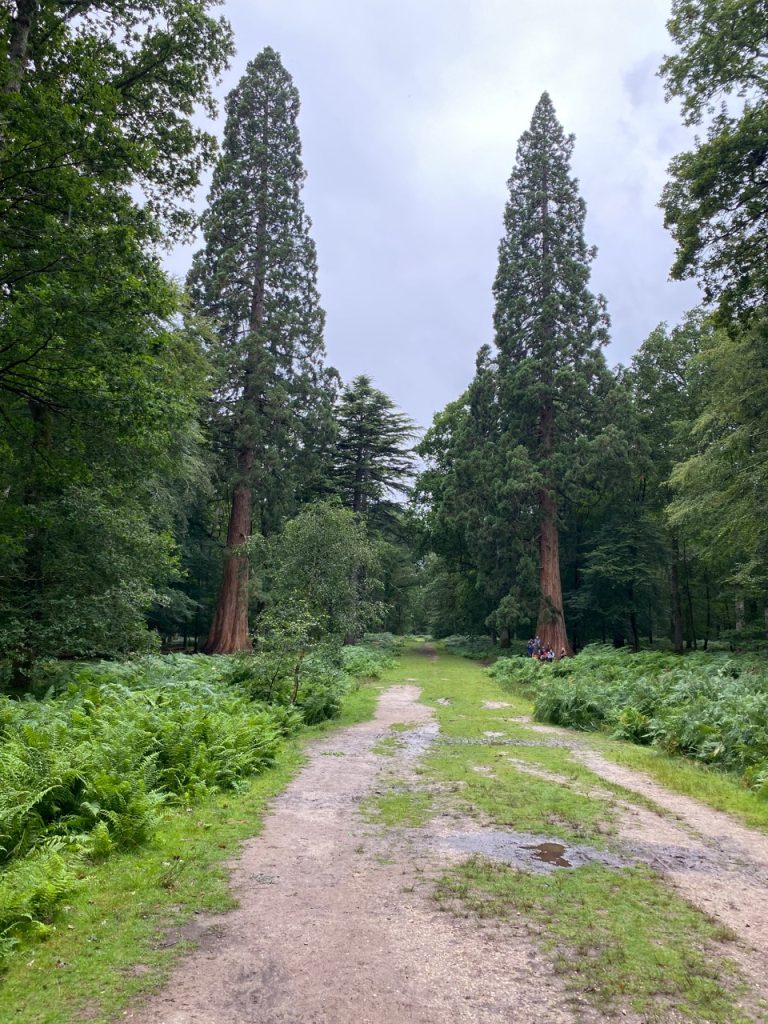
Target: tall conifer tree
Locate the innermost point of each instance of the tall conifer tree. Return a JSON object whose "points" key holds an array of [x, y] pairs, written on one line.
{"points": [[373, 452], [256, 277], [549, 329]]}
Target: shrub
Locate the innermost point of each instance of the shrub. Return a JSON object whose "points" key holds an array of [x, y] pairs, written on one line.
{"points": [[477, 647], [388, 643], [88, 769], [366, 662]]}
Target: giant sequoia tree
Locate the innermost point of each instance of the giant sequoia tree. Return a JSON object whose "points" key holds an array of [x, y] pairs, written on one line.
{"points": [[256, 279], [549, 329]]}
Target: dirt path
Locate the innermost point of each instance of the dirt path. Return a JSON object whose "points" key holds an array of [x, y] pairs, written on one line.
{"points": [[716, 863], [336, 925]]}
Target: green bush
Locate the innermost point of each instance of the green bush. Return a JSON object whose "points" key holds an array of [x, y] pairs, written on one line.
{"points": [[322, 687], [478, 648], [88, 769], [366, 662], [709, 707], [387, 643]]}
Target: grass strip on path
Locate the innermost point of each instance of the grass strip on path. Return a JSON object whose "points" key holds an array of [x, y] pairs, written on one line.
{"points": [[621, 938], [108, 945]]}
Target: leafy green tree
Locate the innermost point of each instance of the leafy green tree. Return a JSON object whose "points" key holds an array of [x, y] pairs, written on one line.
{"points": [[256, 279], [373, 450], [549, 330], [90, 495], [714, 203], [95, 105], [98, 385], [316, 564], [715, 207], [720, 484]]}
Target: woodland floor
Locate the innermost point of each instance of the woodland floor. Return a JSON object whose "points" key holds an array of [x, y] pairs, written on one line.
{"points": [[338, 920]]}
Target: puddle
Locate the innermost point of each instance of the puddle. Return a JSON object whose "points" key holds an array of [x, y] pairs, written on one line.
{"points": [[496, 705], [417, 741], [529, 852], [550, 853]]}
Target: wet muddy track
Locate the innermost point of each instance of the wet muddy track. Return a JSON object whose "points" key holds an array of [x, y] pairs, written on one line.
{"points": [[336, 923]]}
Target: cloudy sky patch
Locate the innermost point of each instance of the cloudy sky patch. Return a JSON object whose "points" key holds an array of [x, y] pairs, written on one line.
{"points": [[411, 112]]}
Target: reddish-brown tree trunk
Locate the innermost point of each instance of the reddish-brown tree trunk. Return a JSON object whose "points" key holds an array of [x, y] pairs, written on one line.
{"points": [[551, 621], [229, 629]]}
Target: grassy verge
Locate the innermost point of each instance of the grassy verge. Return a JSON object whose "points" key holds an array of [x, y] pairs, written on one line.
{"points": [[621, 938], [124, 928], [717, 789], [398, 807], [475, 757]]}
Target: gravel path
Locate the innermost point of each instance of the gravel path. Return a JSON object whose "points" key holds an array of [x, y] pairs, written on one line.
{"points": [[336, 925]]}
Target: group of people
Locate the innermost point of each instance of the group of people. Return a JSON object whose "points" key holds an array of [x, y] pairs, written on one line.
{"points": [[541, 652]]}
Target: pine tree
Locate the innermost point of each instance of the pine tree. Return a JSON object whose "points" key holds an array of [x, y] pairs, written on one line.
{"points": [[549, 329], [256, 278], [374, 458]]}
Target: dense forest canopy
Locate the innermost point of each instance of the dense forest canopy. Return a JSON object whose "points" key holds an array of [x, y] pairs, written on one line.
{"points": [[181, 466]]}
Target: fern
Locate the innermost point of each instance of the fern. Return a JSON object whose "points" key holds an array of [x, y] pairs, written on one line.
{"points": [[711, 708]]}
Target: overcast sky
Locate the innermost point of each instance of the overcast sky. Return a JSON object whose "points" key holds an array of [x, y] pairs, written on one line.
{"points": [[411, 111]]}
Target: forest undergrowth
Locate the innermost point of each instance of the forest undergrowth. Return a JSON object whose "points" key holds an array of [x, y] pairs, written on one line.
{"points": [[710, 708], [102, 762]]}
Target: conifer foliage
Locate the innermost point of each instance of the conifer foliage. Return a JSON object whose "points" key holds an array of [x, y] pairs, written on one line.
{"points": [[549, 329], [256, 278], [373, 455]]}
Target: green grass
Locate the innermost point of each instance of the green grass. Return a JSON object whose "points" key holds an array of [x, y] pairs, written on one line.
{"points": [[467, 685], [710, 708], [623, 937], [122, 908], [480, 773], [717, 789], [387, 746], [512, 799], [398, 807]]}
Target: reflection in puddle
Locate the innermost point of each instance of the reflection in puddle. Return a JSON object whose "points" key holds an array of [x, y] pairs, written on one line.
{"points": [[550, 853]]}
